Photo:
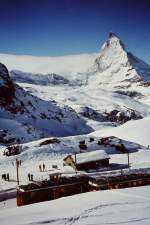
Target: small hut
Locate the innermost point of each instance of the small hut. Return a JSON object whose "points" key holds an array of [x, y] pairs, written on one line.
{"points": [[88, 160]]}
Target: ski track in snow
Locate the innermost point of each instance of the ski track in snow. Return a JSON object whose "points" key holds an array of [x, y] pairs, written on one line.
{"points": [[95, 213]]}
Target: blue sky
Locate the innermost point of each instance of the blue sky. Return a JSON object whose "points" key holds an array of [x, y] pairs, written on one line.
{"points": [[63, 27]]}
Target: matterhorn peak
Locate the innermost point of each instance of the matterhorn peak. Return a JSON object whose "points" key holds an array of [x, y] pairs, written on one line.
{"points": [[112, 34], [112, 52], [113, 42], [115, 64]]}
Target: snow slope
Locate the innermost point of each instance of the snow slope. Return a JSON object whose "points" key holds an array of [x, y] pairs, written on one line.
{"points": [[124, 206], [137, 131], [38, 150]]}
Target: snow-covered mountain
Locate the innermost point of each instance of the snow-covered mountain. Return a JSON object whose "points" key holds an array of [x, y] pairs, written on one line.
{"points": [[105, 89], [137, 131], [115, 65], [112, 64], [26, 117]]}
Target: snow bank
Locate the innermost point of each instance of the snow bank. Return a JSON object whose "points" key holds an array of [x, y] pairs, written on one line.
{"points": [[91, 156], [137, 131]]}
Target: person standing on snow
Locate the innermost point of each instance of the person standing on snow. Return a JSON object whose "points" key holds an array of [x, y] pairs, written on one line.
{"points": [[40, 168], [7, 176], [43, 167], [29, 176]]}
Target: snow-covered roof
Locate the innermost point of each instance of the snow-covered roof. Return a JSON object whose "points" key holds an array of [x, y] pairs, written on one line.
{"points": [[68, 169], [91, 156], [54, 172], [48, 173]]}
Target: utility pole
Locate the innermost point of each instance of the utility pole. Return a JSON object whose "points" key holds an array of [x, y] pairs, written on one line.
{"points": [[17, 169], [75, 154], [128, 160]]}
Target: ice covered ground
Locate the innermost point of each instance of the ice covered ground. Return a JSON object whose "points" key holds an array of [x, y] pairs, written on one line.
{"points": [[124, 206]]}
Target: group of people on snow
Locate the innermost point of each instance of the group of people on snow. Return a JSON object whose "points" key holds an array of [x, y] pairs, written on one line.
{"points": [[5, 176], [42, 167], [30, 177]]}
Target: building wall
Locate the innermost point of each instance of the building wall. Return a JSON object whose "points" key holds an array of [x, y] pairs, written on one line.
{"points": [[93, 165], [68, 161], [33, 196]]}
